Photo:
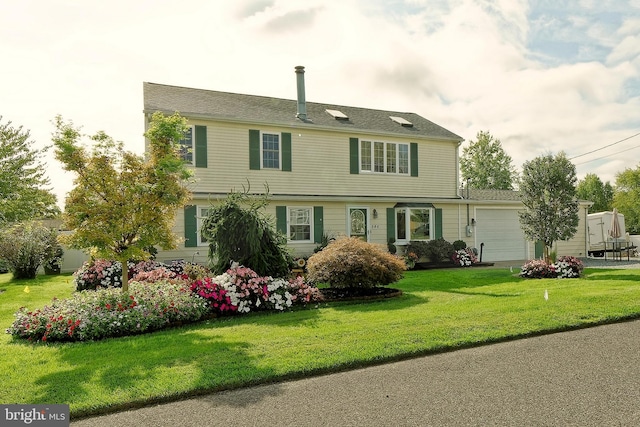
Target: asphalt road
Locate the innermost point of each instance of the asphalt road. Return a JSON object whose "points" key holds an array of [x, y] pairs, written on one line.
{"points": [[588, 377]]}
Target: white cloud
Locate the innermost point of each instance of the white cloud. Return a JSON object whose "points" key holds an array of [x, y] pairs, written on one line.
{"points": [[467, 65]]}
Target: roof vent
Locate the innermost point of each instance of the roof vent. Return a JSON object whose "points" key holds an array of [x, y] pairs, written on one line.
{"points": [[401, 121], [338, 115]]}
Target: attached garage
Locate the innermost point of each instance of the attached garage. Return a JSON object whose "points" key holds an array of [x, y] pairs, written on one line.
{"points": [[499, 230]]}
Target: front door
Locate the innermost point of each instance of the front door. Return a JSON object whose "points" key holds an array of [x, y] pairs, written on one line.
{"points": [[358, 223]]}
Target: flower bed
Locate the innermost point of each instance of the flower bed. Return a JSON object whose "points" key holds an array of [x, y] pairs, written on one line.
{"points": [[158, 300], [93, 315], [565, 267]]}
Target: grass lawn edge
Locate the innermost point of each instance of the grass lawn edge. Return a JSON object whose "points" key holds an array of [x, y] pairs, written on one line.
{"points": [[344, 367]]}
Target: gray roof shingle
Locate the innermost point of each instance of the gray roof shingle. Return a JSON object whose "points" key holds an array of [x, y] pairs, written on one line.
{"points": [[199, 103]]}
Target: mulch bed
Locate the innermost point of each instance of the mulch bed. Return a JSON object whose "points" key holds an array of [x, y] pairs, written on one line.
{"points": [[351, 294]]}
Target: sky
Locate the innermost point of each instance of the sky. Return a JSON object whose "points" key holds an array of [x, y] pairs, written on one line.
{"points": [[541, 76]]}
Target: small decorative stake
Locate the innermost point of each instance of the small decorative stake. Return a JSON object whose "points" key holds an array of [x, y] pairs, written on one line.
{"points": [[546, 295]]}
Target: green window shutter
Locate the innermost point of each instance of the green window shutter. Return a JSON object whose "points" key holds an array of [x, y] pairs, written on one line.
{"points": [[438, 224], [201, 146], [354, 164], [281, 219], [190, 226], [318, 224], [391, 223], [414, 158], [254, 149], [286, 152]]}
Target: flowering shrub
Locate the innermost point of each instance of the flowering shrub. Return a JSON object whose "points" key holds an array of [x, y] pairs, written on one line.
{"points": [[410, 259], [104, 273], [302, 292], [241, 290], [98, 273], [538, 269], [568, 267], [160, 273], [90, 315], [464, 257], [216, 296], [352, 262], [565, 267]]}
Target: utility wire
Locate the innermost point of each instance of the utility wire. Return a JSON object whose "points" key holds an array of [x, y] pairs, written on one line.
{"points": [[606, 146], [608, 155]]}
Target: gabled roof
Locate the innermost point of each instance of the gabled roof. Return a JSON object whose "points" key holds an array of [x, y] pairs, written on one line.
{"points": [[209, 104]]}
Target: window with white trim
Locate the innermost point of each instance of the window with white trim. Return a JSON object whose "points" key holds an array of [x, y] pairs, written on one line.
{"points": [[414, 224], [384, 157], [201, 215], [186, 147], [300, 224], [271, 151]]}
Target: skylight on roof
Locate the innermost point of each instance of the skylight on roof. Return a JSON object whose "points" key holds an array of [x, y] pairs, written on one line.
{"points": [[338, 115], [401, 121]]}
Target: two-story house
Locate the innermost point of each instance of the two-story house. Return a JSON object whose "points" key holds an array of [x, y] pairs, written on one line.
{"points": [[332, 170]]}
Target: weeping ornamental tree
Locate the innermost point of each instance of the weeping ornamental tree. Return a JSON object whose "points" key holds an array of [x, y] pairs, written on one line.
{"points": [[238, 230], [123, 203], [551, 207]]}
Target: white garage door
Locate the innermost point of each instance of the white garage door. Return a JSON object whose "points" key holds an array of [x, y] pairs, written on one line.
{"points": [[499, 230]]}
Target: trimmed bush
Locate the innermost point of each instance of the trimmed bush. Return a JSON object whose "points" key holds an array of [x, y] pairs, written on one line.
{"points": [[459, 245], [350, 262], [439, 250], [417, 247]]}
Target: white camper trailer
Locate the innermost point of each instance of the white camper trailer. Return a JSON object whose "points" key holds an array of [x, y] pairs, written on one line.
{"points": [[600, 240]]}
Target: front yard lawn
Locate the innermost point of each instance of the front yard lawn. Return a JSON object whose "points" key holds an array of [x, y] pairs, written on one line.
{"points": [[439, 310]]}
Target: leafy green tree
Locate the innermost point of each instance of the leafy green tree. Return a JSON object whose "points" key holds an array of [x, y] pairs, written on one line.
{"points": [[238, 230], [123, 203], [25, 246], [23, 194], [551, 207], [591, 188], [627, 198], [487, 164]]}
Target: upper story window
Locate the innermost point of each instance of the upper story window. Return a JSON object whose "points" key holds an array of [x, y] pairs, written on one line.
{"points": [[414, 224], [270, 150], [186, 148], [384, 157]]}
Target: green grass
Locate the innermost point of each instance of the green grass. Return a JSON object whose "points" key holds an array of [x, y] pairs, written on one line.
{"points": [[439, 310]]}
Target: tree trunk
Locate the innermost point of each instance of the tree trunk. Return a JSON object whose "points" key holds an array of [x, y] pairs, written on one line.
{"points": [[125, 277]]}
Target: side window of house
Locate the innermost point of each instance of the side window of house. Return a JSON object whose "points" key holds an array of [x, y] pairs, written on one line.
{"points": [[186, 146], [202, 214], [193, 147], [414, 224], [300, 224], [384, 157]]}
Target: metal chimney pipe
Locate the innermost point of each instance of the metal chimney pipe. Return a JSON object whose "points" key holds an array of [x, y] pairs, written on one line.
{"points": [[302, 103]]}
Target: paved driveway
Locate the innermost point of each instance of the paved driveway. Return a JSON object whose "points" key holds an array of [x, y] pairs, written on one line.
{"points": [[588, 377]]}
